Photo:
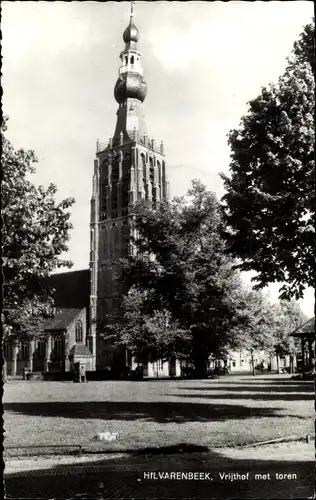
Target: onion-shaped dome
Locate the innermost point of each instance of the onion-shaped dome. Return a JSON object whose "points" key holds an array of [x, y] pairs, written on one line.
{"points": [[130, 85], [131, 34]]}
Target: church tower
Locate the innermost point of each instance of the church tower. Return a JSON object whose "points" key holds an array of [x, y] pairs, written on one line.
{"points": [[128, 168]]}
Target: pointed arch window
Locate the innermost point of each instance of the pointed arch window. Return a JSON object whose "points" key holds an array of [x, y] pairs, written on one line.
{"points": [[58, 346], [159, 173], [8, 351], [126, 237], [104, 183], [152, 180], [151, 171], [25, 350], [79, 332], [144, 176], [125, 184], [41, 348], [114, 238], [115, 180], [163, 175], [132, 60]]}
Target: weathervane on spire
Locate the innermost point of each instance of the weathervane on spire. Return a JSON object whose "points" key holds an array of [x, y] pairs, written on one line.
{"points": [[132, 7]]}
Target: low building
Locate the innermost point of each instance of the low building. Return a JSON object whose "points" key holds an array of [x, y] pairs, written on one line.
{"points": [[160, 368], [70, 327], [59, 347], [241, 361], [306, 333]]}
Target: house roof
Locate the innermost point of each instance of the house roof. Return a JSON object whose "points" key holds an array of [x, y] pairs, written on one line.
{"points": [[72, 289], [80, 350], [62, 319], [308, 328]]}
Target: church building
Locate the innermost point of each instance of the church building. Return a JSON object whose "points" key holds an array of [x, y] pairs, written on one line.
{"points": [[129, 167]]}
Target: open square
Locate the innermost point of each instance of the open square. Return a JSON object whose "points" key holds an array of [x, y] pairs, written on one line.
{"points": [[231, 411]]}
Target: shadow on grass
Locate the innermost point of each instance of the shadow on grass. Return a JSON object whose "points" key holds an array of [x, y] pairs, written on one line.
{"points": [[129, 478], [249, 388], [259, 379], [162, 412], [253, 397], [171, 450]]}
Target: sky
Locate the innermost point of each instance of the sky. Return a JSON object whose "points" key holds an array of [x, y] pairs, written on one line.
{"points": [[203, 61]]}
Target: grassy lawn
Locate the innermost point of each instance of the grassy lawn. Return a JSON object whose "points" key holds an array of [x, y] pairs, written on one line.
{"points": [[212, 413]]}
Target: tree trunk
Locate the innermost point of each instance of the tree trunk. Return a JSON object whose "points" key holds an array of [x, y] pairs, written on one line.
{"points": [[4, 371], [278, 363], [200, 363], [253, 364]]}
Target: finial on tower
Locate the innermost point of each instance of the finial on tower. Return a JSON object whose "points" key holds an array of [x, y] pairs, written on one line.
{"points": [[132, 7], [131, 35]]}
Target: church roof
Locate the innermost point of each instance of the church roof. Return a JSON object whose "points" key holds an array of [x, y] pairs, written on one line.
{"points": [[72, 289], [62, 320], [80, 350]]}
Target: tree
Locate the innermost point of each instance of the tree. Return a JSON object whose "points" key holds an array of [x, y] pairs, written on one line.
{"points": [[150, 336], [269, 204], [181, 263], [304, 48], [34, 235], [259, 324], [268, 326], [288, 317]]}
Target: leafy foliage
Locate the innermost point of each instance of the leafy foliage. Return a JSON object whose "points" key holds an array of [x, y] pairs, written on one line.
{"points": [[181, 265], [150, 336], [267, 326], [269, 204], [304, 48], [34, 235], [288, 317], [258, 331]]}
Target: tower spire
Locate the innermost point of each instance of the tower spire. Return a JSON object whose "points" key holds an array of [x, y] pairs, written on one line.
{"points": [[131, 88]]}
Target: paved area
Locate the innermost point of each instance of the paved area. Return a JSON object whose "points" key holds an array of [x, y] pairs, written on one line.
{"points": [[273, 472], [294, 451]]}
